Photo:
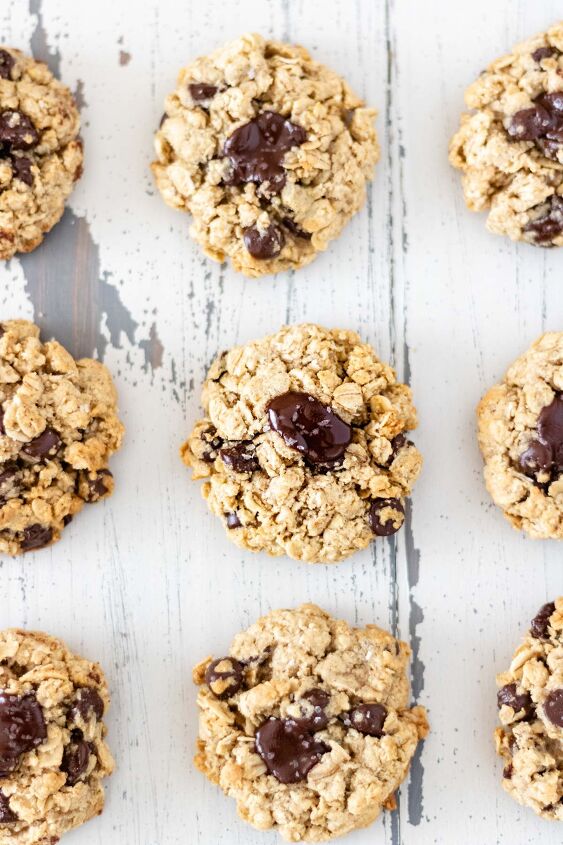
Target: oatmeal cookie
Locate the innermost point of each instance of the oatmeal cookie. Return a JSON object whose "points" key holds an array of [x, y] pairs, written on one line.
{"points": [[40, 151], [530, 701], [268, 150], [303, 445], [510, 147], [520, 425], [306, 723], [58, 428], [53, 754]]}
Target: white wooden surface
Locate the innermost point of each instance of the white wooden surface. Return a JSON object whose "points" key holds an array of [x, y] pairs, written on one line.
{"points": [[147, 582]]}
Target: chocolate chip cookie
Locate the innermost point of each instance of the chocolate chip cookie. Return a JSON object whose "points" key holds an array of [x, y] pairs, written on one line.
{"points": [[53, 755], [40, 151], [530, 701], [58, 428], [306, 723], [268, 150], [521, 437], [304, 444], [510, 147]]}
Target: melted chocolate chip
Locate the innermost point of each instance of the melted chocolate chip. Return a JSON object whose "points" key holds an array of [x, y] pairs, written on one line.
{"points": [[88, 703], [553, 707], [540, 622], [98, 487], [509, 696], [543, 53], [21, 167], [309, 426], [22, 728], [46, 445], [315, 718], [240, 458], [549, 224], [224, 677], [536, 457], [288, 751], [202, 91], [550, 423], [17, 131], [545, 454], [36, 537], [233, 521], [296, 230], [76, 757], [264, 244], [384, 526], [367, 719], [256, 150], [7, 816], [542, 123], [7, 62]]}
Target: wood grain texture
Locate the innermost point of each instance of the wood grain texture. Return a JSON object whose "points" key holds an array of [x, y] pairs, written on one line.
{"points": [[147, 582]]}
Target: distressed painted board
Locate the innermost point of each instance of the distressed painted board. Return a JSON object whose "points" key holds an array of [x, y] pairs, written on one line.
{"points": [[147, 582]]}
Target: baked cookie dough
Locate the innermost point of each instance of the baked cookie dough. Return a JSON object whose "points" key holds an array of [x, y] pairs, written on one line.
{"points": [[520, 425], [53, 755], [304, 444], [40, 151], [58, 428], [268, 150], [510, 147], [530, 701], [306, 723]]}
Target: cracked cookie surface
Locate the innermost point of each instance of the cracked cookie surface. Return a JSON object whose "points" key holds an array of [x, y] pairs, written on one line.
{"points": [[530, 702], [303, 447], [268, 150], [40, 151], [58, 428], [306, 723], [53, 754], [520, 425], [510, 148]]}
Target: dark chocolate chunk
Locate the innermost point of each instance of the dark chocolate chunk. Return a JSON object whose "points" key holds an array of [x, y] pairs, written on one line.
{"points": [[384, 526], [36, 537], [509, 696], [540, 622], [7, 62], [22, 728], [313, 705], [88, 703], [21, 167], [241, 457], [202, 91], [264, 244], [549, 224], [76, 757], [288, 751], [232, 520], [296, 230], [553, 707], [46, 445], [543, 53], [7, 816], [17, 131], [256, 150], [309, 426], [224, 677], [367, 719]]}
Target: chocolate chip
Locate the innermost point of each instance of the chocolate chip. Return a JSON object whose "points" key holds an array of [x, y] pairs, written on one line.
{"points": [[202, 91], [76, 757], [542, 123], [9, 486], [46, 445], [314, 718], [21, 167], [550, 423], [2, 429], [543, 53], [67, 519], [549, 224], [540, 622], [256, 150], [367, 719], [384, 526], [96, 488], [309, 426], [240, 458], [36, 537], [264, 244], [507, 771], [22, 728], [288, 751], [536, 457], [7, 816], [553, 707], [224, 677], [88, 703], [296, 230], [509, 696], [233, 521], [7, 62], [17, 131]]}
